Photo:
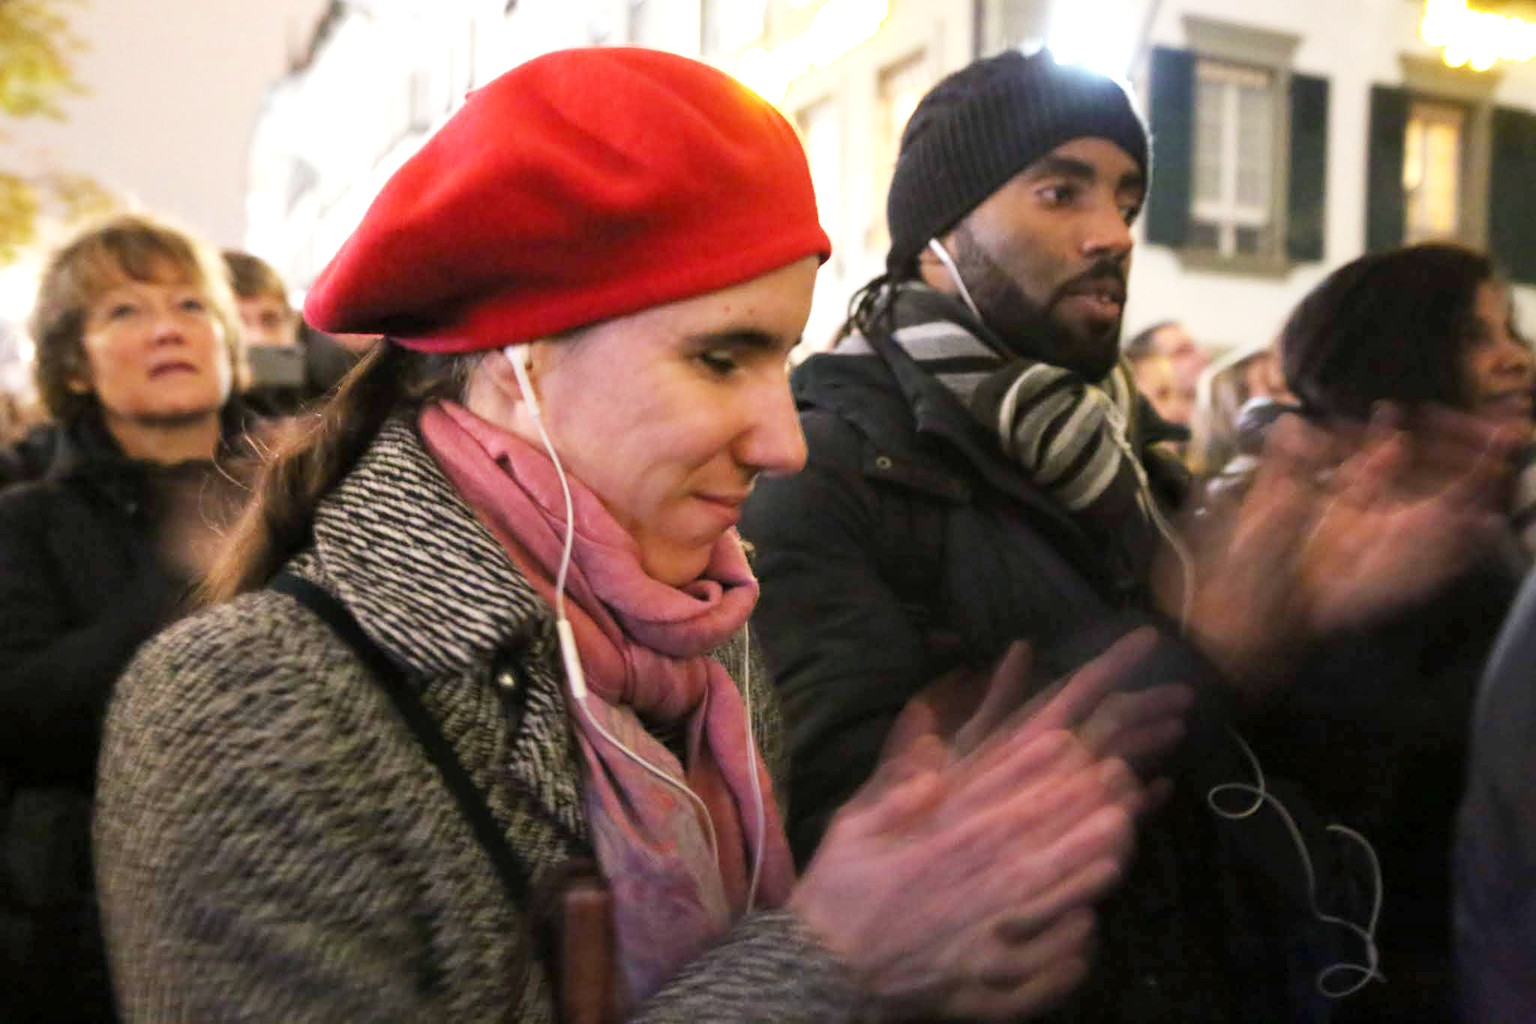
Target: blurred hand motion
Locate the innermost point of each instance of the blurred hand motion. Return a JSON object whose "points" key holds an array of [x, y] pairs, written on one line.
{"points": [[965, 888], [1342, 527], [966, 707], [962, 878]]}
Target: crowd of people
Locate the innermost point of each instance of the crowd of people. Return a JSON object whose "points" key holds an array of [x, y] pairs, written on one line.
{"points": [[557, 658]]}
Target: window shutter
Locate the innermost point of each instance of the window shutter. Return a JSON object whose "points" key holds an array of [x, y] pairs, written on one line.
{"points": [[1511, 195], [1386, 207], [1308, 185], [1173, 145]]}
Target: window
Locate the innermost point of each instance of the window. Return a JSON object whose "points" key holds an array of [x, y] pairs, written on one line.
{"points": [[898, 91], [1445, 162], [1511, 169], [431, 89], [1241, 138], [819, 128], [1433, 145], [1233, 200]]}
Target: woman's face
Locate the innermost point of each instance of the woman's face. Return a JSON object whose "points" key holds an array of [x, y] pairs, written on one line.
{"points": [[1155, 379], [155, 351], [670, 414], [1496, 362]]}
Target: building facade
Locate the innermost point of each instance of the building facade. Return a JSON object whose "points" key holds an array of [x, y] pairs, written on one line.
{"points": [[1289, 135]]}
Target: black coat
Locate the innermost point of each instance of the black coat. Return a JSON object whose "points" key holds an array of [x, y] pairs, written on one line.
{"points": [[1376, 726], [909, 545], [81, 588], [29, 457]]}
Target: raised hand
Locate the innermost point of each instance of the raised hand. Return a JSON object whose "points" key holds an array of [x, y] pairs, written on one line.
{"points": [[1408, 511], [1341, 527]]}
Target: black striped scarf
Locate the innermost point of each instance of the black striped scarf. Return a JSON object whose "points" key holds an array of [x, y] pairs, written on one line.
{"points": [[1074, 438]]}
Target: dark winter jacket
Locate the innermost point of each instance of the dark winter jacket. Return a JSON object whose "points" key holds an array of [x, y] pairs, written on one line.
{"points": [[29, 456], [81, 587], [909, 545], [274, 844], [1495, 854], [1375, 726]]}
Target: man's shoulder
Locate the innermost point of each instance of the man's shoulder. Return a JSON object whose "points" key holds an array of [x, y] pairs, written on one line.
{"points": [[848, 373], [847, 402]]}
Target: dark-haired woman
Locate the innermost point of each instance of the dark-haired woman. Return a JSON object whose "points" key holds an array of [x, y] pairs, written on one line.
{"points": [[1377, 724], [510, 631], [136, 357]]}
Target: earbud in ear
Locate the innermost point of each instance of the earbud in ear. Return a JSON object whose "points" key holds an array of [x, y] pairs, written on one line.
{"points": [[520, 356], [937, 248]]}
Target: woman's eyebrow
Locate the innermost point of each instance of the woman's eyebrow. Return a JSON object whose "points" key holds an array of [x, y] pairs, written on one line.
{"points": [[745, 337]]}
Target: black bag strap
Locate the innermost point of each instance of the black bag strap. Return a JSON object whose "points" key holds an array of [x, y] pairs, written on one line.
{"points": [[514, 873]]}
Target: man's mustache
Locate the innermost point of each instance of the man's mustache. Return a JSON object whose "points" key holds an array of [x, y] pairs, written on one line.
{"points": [[1105, 272]]}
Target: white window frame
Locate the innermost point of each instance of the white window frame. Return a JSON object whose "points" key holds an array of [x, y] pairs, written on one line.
{"points": [[1226, 211], [1253, 50]]}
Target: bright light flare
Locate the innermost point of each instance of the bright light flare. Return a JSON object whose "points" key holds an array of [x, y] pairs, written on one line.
{"points": [[1095, 34], [1476, 39], [837, 29]]}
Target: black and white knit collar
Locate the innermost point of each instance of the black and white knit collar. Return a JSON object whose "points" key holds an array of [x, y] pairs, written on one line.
{"points": [[425, 579]]}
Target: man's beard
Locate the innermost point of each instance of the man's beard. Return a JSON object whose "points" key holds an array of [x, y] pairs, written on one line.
{"points": [[1028, 328]]}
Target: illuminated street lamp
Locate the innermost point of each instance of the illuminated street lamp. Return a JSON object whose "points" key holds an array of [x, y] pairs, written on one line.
{"points": [[1479, 37]]}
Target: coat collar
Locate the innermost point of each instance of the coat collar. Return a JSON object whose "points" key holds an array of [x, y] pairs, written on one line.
{"points": [[434, 590], [426, 581]]}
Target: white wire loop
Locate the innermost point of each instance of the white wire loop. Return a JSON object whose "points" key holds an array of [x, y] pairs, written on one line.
{"points": [[1363, 974]]}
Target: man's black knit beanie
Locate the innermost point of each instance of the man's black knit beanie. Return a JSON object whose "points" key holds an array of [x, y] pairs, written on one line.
{"points": [[987, 122]]}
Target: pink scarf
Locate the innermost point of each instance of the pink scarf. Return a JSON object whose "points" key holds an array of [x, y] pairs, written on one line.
{"points": [[645, 648]]}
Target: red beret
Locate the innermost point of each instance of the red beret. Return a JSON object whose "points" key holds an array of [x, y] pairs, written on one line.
{"points": [[582, 185]]}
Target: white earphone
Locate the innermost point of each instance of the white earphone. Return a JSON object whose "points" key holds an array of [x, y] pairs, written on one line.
{"points": [[954, 275], [520, 356], [1326, 982]]}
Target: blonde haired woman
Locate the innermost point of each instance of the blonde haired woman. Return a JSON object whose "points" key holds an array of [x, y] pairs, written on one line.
{"points": [[136, 357]]}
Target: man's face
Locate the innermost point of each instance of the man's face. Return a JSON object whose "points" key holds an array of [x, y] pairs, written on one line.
{"points": [[1045, 257], [268, 321]]}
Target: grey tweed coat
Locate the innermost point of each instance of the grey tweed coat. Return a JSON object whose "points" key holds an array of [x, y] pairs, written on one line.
{"points": [[273, 845]]}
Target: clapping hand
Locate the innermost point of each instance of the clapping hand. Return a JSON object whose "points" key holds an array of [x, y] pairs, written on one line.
{"points": [[961, 880], [1341, 527], [1137, 725]]}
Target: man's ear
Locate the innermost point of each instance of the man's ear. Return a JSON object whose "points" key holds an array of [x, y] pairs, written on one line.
{"points": [[933, 272]]}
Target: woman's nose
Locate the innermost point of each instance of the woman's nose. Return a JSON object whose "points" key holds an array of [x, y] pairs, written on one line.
{"points": [[1516, 358], [773, 442]]}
